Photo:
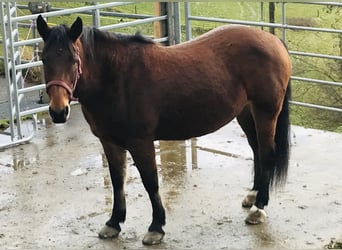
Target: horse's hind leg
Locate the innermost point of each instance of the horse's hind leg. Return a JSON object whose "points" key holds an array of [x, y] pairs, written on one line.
{"points": [[116, 157], [247, 124], [265, 124]]}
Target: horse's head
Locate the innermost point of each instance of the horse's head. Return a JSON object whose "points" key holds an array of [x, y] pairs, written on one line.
{"points": [[62, 65]]}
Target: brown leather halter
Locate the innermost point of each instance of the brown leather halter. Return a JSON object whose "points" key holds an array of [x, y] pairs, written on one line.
{"points": [[65, 85]]}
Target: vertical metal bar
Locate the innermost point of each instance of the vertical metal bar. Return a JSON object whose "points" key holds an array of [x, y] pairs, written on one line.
{"points": [[170, 23], [96, 16], [34, 35], [283, 21], [271, 11], [173, 19], [262, 17], [194, 158], [4, 16], [14, 62], [17, 82], [176, 24], [187, 13]]}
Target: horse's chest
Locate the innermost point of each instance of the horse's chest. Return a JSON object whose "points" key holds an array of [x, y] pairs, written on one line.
{"points": [[104, 125]]}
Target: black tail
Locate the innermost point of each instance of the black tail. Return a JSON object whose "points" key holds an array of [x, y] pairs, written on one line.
{"points": [[282, 141]]}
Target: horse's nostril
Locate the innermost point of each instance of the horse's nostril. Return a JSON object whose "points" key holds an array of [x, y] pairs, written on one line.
{"points": [[59, 116]]}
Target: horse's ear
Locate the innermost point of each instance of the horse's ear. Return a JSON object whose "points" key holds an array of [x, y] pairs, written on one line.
{"points": [[43, 28], [76, 29]]}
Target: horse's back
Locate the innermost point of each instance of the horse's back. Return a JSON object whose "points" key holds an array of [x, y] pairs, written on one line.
{"points": [[236, 41], [242, 51], [256, 58]]}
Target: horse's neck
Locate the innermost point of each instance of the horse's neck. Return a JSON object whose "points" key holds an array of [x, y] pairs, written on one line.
{"points": [[96, 62]]}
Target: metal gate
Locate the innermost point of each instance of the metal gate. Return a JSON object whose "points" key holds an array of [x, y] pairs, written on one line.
{"points": [[165, 18], [12, 62]]}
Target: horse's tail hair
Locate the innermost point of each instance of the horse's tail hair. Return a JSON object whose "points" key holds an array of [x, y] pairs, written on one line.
{"points": [[282, 141]]}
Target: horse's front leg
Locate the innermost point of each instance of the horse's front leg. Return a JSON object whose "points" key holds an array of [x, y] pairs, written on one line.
{"points": [[116, 157], [143, 153]]}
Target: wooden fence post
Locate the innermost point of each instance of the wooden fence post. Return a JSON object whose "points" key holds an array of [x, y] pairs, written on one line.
{"points": [[160, 27]]}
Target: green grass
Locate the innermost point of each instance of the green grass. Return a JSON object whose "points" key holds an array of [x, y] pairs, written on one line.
{"points": [[297, 14]]}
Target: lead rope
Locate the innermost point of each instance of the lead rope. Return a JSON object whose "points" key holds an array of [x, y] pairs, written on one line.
{"points": [[78, 73]]}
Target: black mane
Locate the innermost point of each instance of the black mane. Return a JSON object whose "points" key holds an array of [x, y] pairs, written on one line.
{"points": [[137, 38], [91, 34]]}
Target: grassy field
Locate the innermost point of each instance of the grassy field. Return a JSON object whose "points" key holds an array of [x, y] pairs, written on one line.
{"points": [[297, 14]]}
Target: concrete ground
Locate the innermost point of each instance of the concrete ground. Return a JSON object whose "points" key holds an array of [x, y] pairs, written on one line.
{"points": [[55, 193]]}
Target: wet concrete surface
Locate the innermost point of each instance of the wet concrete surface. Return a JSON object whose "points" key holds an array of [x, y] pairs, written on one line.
{"points": [[55, 193]]}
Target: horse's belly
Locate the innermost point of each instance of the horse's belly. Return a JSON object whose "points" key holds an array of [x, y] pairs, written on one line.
{"points": [[189, 127], [202, 115]]}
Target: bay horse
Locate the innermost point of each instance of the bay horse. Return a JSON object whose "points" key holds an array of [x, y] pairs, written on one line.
{"points": [[134, 91]]}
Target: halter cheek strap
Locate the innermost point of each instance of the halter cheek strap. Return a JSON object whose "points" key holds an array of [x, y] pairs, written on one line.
{"points": [[65, 85]]}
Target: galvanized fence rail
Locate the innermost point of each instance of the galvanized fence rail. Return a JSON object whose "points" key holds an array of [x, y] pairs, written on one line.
{"points": [[14, 66], [284, 28]]}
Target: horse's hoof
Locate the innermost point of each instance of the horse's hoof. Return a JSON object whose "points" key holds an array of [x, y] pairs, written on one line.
{"points": [[250, 199], [153, 238], [108, 232], [256, 216]]}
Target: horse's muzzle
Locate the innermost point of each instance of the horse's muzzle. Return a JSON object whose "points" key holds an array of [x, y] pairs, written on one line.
{"points": [[60, 116]]}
